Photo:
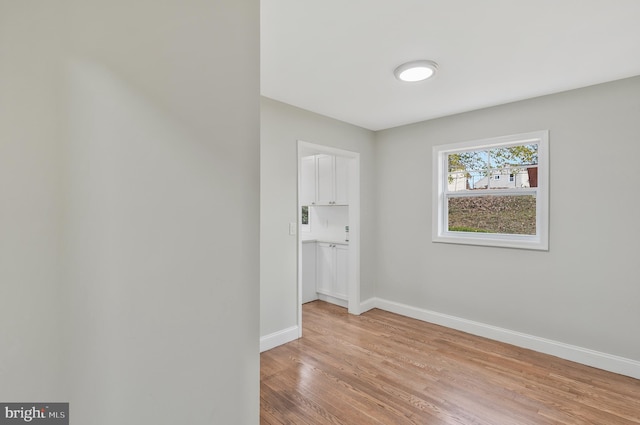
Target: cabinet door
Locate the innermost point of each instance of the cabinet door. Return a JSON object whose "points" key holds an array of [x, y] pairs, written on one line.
{"points": [[309, 272], [308, 180], [341, 168], [325, 180], [325, 268], [342, 271]]}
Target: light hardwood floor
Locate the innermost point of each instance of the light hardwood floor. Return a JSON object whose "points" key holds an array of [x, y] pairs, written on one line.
{"points": [[382, 368]]}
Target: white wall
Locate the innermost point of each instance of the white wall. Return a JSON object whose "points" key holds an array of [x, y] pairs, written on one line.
{"points": [[328, 223], [129, 264], [584, 291], [31, 297], [281, 126]]}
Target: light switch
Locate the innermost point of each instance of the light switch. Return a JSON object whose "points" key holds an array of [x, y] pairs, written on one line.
{"points": [[292, 229]]}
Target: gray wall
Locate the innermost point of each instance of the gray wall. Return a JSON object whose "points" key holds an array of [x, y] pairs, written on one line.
{"points": [[281, 127], [584, 291], [31, 203], [129, 158]]}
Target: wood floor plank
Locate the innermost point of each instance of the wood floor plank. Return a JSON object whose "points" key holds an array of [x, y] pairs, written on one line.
{"points": [[382, 368]]}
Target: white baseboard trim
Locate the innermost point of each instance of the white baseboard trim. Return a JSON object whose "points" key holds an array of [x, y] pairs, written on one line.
{"points": [[333, 300], [275, 339], [369, 304], [609, 362]]}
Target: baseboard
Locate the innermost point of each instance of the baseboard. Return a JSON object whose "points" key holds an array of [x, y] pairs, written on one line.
{"points": [[369, 304], [333, 300], [609, 362], [278, 338]]}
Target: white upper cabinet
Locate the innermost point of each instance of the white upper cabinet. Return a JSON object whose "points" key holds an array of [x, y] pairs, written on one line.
{"points": [[324, 180], [308, 180], [341, 184]]}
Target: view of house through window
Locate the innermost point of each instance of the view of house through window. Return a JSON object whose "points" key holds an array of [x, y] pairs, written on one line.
{"points": [[489, 192]]}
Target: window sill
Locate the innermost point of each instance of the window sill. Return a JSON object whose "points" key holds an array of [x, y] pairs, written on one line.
{"points": [[493, 240]]}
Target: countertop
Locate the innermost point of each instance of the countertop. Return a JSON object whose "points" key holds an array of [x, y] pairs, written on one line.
{"points": [[341, 242]]}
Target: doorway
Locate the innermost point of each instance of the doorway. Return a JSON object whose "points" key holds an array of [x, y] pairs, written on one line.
{"points": [[329, 219]]}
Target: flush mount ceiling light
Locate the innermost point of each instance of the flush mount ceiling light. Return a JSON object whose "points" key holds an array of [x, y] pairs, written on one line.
{"points": [[416, 71]]}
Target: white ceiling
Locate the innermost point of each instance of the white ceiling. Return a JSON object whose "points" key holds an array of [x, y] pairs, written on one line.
{"points": [[336, 57]]}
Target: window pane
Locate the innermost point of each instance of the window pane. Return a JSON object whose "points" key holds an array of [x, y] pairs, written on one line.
{"points": [[493, 214], [498, 168], [507, 178], [474, 160], [478, 180], [513, 156]]}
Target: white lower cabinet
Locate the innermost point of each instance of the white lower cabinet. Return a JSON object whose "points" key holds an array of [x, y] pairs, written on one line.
{"points": [[332, 268], [309, 272]]}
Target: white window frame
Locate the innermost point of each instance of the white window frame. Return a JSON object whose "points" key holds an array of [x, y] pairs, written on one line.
{"points": [[440, 232]]}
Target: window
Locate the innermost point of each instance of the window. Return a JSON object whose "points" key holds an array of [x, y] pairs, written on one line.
{"points": [[492, 192], [305, 225]]}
